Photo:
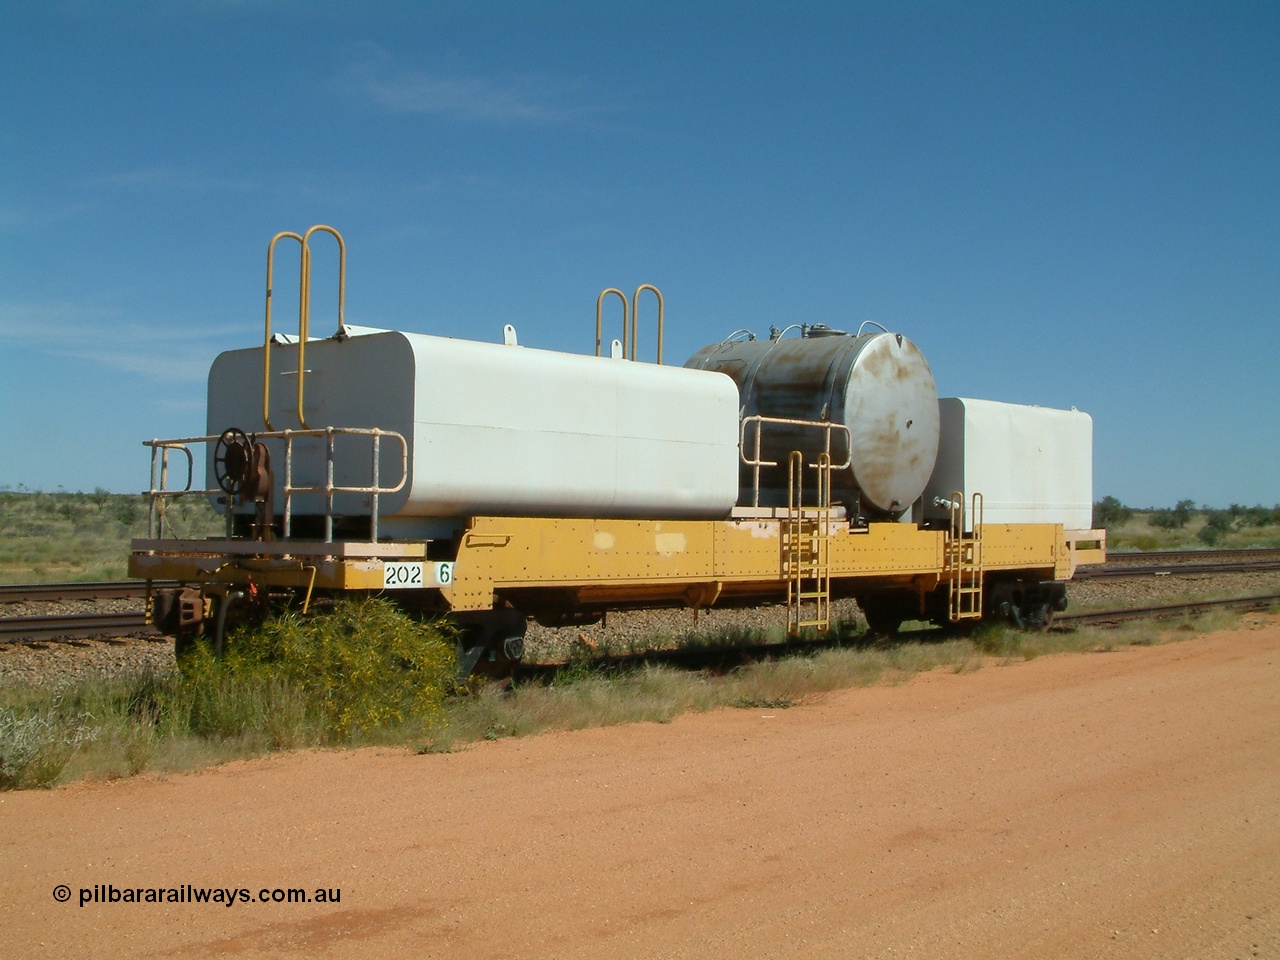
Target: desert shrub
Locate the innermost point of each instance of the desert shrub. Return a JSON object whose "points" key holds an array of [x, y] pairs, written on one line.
{"points": [[1217, 524], [362, 666], [1110, 512], [1258, 516]]}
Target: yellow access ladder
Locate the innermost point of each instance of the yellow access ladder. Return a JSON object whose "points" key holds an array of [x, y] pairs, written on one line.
{"points": [[806, 548], [964, 560]]}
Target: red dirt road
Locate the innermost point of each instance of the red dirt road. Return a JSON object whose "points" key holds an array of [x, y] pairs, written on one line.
{"points": [[1120, 804]]}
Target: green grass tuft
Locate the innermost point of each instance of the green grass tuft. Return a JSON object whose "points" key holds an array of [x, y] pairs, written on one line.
{"points": [[36, 744]]}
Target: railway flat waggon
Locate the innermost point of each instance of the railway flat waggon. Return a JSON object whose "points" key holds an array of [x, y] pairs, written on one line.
{"points": [[497, 483]]}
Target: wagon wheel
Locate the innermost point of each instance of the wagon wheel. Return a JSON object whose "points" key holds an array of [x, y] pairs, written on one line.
{"points": [[884, 614], [231, 459], [1038, 615]]}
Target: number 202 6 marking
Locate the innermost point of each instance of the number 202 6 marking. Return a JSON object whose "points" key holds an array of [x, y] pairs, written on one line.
{"points": [[413, 575]]}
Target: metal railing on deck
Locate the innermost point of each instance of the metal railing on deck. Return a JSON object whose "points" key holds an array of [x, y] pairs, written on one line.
{"points": [[160, 493], [756, 462]]}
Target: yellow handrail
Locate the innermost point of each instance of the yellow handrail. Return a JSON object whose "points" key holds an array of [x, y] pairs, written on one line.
{"points": [[304, 304], [266, 341], [626, 320], [635, 318], [304, 312]]}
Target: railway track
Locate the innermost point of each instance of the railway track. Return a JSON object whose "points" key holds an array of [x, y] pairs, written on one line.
{"points": [[1120, 572], [78, 625], [1149, 557], [75, 626], [62, 592], [1182, 563], [1119, 565], [1164, 611], [82, 625]]}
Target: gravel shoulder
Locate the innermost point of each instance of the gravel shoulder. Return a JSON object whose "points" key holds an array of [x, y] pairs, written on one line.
{"points": [[1121, 804]]}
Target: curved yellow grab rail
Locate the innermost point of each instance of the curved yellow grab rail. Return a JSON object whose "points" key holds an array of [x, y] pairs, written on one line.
{"points": [[626, 319], [266, 340], [304, 304], [635, 318]]}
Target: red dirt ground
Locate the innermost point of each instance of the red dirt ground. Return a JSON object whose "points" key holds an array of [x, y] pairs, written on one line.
{"points": [[1122, 804]]}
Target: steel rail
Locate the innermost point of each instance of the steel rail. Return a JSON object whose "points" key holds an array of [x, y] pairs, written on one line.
{"points": [[95, 590], [1162, 611], [95, 625], [1139, 557], [78, 626], [1117, 572]]}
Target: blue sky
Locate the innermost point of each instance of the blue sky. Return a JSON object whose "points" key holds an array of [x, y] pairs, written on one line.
{"points": [[1065, 204]]}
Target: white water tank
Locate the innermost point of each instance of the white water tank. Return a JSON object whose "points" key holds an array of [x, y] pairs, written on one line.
{"points": [[1031, 464], [494, 429]]}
